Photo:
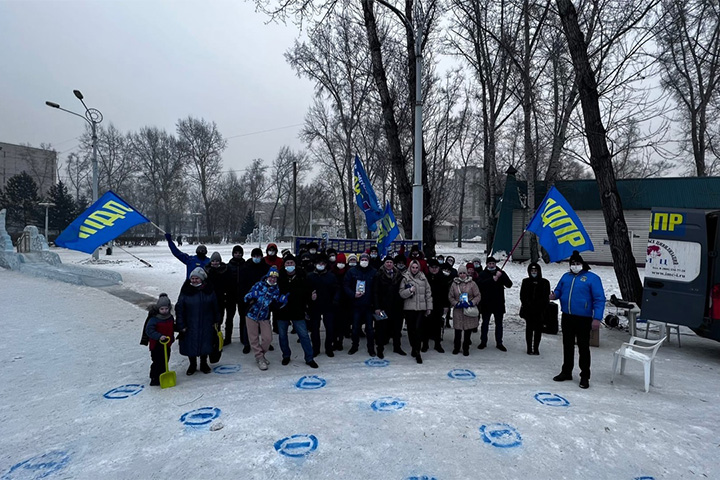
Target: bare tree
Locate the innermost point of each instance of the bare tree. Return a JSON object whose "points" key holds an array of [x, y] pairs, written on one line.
{"points": [[202, 144], [281, 182], [601, 160], [78, 169], [255, 184], [688, 36]]}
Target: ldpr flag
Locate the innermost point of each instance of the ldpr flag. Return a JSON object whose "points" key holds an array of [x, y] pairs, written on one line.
{"points": [[365, 196], [558, 227], [104, 220], [388, 230]]}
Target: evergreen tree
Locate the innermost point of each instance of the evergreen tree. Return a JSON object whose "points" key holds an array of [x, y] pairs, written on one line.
{"points": [[21, 200], [65, 209], [248, 224]]}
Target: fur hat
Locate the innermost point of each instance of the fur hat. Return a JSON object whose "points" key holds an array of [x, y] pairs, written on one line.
{"points": [[200, 273]]}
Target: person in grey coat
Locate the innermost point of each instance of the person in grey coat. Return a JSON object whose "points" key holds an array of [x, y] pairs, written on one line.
{"points": [[198, 317], [418, 303]]}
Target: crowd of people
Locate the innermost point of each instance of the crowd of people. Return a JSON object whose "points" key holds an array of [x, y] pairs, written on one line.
{"points": [[361, 296]]}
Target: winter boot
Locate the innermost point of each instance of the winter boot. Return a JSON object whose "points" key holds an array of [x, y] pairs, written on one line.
{"points": [[204, 367], [192, 368], [439, 348]]}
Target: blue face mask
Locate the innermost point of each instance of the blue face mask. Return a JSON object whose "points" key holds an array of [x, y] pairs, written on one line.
{"points": [[290, 268], [256, 259]]}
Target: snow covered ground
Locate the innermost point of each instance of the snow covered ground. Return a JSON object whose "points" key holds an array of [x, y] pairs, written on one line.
{"points": [[75, 401]]}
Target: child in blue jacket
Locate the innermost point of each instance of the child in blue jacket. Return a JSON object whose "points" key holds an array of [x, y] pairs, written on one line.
{"points": [[262, 297]]}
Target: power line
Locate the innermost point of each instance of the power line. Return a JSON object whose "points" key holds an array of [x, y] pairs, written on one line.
{"points": [[264, 131]]}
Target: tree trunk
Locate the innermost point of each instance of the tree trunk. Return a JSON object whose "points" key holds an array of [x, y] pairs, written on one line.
{"points": [[395, 155], [462, 206], [600, 159]]}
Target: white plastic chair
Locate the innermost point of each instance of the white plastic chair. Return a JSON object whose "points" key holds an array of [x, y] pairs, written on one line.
{"points": [[635, 350], [664, 329]]}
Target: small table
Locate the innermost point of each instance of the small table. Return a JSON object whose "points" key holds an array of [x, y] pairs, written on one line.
{"points": [[632, 314]]}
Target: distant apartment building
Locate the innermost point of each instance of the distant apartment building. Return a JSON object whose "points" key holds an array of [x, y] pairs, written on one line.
{"points": [[40, 164]]}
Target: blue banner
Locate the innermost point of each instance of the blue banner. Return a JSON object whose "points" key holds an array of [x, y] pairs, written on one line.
{"points": [[558, 228], [365, 196], [105, 220], [388, 230]]}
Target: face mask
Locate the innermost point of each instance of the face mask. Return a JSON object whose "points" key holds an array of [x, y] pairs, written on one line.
{"points": [[575, 268], [533, 274], [477, 265], [331, 258], [272, 253], [256, 259], [446, 273], [364, 263], [373, 255], [492, 269], [401, 267], [341, 266], [290, 268], [353, 264], [320, 267], [313, 251]]}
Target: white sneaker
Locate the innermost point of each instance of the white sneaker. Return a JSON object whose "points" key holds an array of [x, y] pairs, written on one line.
{"points": [[262, 365]]}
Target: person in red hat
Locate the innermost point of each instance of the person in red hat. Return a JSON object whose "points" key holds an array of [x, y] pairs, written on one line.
{"points": [[271, 257]]}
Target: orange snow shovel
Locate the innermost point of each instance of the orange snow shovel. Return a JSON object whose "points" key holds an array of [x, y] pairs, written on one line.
{"points": [[169, 378]]}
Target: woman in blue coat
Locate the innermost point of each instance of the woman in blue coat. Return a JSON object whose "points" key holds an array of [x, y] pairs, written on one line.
{"points": [[582, 301], [198, 317]]}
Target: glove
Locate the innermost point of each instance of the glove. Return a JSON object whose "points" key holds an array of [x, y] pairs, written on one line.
{"points": [[168, 237]]}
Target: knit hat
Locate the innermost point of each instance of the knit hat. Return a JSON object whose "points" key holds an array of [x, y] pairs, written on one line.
{"points": [[238, 248], [331, 251], [576, 257], [389, 257], [433, 262], [490, 259], [256, 252], [163, 301], [400, 259], [462, 269], [352, 257], [201, 249], [364, 256], [321, 258], [340, 258], [287, 257], [469, 265], [273, 272], [215, 257], [200, 273]]}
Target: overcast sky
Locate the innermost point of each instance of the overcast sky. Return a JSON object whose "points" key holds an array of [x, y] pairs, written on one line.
{"points": [[149, 63]]}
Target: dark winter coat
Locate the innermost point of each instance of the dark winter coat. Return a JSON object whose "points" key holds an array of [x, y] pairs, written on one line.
{"points": [[222, 283], [440, 286], [262, 298], [385, 291], [197, 311], [191, 261], [295, 287], [492, 291], [352, 277], [250, 274], [327, 287], [157, 327], [534, 295], [235, 268]]}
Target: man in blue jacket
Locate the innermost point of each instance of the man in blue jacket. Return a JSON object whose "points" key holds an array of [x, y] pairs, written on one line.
{"points": [[358, 284], [200, 259], [582, 301]]}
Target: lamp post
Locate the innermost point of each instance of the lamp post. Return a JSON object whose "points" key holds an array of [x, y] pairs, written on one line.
{"points": [[417, 32], [197, 225], [47, 205], [93, 117]]}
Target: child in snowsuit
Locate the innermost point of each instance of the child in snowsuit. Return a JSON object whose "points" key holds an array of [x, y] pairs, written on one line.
{"points": [[159, 328], [263, 296]]}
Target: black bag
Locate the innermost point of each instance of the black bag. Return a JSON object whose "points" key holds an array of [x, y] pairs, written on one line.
{"points": [[550, 319]]}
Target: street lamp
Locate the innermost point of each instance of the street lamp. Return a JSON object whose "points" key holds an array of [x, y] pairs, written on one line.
{"points": [[47, 205], [197, 225], [93, 117], [259, 213], [417, 33]]}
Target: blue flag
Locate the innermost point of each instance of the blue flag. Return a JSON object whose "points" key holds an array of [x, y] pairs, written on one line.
{"points": [[388, 230], [365, 196], [105, 220], [558, 227]]}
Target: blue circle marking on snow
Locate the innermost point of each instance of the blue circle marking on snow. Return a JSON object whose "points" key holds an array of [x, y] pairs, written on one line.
{"points": [[310, 382], [644, 478], [124, 391], [551, 399], [388, 404], [227, 369], [461, 374], [297, 446], [500, 435], [421, 477], [40, 466], [200, 417], [377, 362]]}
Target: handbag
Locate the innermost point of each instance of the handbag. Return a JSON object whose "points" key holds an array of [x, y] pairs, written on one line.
{"points": [[471, 311]]}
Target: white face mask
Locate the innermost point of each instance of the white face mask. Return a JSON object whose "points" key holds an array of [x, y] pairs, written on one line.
{"points": [[364, 263], [313, 251], [256, 259], [353, 264], [446, 273], [341, 265], [331, 258], [575, 268], [320, 267], [533, 274], [373, 255]]}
